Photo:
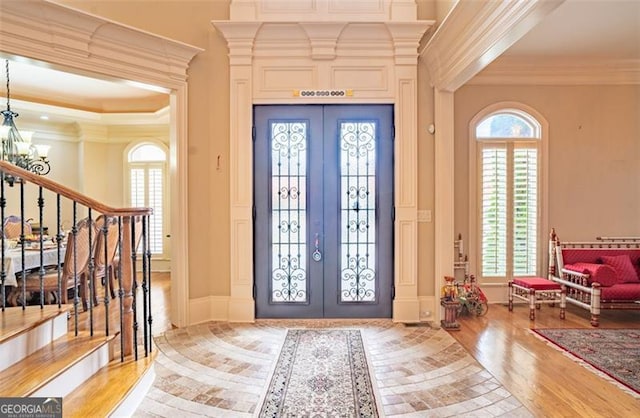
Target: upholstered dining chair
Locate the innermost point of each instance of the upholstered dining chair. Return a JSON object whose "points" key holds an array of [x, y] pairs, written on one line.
{"points": [[103, 268], [11, 227], [74, 270]]}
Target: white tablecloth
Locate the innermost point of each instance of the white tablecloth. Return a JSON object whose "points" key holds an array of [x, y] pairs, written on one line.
{"points": [[13, 261]]}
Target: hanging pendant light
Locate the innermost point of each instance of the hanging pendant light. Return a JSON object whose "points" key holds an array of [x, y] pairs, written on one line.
{"points": [[16, 145]]}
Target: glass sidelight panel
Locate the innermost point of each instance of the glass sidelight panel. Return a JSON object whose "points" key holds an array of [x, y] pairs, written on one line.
{"points": [[288, 214], [358, 211]]}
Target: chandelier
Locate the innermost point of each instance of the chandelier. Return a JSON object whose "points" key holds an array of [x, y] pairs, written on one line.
{"points": [[17, 147]]}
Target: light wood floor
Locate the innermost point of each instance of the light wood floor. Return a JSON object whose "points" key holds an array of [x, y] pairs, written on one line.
{"points": [[543, 379], [160, 298]]}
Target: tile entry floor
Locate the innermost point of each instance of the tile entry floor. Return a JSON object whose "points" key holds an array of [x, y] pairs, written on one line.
{"points": [[221, 369]]}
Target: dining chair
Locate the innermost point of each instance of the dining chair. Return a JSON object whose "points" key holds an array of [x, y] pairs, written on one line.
{"points": [[103, 268], [74, 270], [11, 227]]}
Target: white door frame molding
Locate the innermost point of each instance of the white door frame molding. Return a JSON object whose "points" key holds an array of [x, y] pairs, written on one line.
{"points": [[71, 40], [278, 48]]}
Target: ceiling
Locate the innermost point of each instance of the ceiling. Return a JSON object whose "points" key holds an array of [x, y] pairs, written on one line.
{"points": [[600, 29], [594, 29]]}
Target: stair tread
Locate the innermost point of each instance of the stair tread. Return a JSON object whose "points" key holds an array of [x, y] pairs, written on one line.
{"points": [[101, 394], [16, 320], [26, 376]]}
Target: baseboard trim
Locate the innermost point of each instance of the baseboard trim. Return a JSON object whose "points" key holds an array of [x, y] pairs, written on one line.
{"points": [[406, 310], [208, 308]]}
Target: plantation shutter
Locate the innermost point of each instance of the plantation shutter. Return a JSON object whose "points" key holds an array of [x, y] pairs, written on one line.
{"points": [[525, 210], [509, 188], [147, 184], [155, 196], [494, 210]]}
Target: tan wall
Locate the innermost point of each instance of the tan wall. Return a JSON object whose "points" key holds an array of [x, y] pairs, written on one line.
{"points": [[189, 21], [594, 161]]}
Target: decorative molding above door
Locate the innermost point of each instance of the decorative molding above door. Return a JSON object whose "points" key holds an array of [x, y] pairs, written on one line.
{"points": [[368, 47]]}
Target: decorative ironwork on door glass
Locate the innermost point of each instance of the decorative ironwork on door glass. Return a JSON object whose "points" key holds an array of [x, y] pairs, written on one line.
{"points": [[358, 213], [288, 213]]}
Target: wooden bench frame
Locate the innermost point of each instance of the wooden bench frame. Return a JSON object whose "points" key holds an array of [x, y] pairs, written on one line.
{"points": [[579, 292], [536, 297]]}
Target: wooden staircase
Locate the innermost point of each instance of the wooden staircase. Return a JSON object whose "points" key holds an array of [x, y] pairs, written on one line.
{"points": [[92, 359], [45, 360]]}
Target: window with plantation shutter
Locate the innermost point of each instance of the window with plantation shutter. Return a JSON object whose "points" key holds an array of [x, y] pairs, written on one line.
{"points": [[147, 170], [508, 163]]}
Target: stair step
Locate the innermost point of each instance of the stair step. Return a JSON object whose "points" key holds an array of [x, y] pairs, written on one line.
{"points": [[57, 368], [23, 331], [115, 390], [16, 320]]}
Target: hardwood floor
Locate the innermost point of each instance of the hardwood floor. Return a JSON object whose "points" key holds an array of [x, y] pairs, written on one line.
{"points": [[160, 299], [546, 381]]}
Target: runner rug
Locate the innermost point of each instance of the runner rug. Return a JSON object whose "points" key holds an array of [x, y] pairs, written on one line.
{"points": [[613, 352], [321, 372]]}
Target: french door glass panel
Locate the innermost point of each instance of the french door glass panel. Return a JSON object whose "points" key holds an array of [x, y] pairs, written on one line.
{"points": [[323, 227]]}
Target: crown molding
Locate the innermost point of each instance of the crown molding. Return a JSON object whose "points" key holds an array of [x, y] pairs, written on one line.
{"points": [[474, 33], [559, 71], [322, 10], [61, 35]]}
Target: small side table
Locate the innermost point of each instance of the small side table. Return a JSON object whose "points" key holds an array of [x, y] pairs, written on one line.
{"points": [[450, 322]]}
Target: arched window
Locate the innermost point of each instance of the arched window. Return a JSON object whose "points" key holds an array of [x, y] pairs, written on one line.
{"points": [[147, 188], [509, 195]]}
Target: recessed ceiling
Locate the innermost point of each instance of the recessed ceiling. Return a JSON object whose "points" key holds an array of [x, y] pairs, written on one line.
{"points": [[599, 29], [36, 82]]}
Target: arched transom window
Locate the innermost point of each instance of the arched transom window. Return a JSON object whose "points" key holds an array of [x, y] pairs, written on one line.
{"points": [[147, 188], [508, 144]]}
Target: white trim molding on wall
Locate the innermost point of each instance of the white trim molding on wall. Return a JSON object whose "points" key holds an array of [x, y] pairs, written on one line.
{"points": [[369, 48], [72, 40]]}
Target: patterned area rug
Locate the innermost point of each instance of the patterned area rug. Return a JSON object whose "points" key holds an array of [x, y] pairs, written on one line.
{"points": [[613, 352], [321, 372]]}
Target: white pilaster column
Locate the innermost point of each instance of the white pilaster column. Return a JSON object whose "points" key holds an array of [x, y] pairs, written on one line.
{"points": [[406, 306], [240, 38], [444, 198]]}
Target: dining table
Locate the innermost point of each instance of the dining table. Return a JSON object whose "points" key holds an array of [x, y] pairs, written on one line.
{"points": [[13, 259]]}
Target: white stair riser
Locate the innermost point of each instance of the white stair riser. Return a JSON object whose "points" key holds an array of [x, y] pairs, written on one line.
{"points": [[75, 375], [26, 343], [130, 403]]}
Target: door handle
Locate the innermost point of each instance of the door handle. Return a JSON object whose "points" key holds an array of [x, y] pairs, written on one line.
{"points": [[317, 255]]}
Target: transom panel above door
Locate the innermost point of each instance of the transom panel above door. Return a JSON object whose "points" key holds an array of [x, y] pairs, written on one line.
{"points": [[323, 227]]}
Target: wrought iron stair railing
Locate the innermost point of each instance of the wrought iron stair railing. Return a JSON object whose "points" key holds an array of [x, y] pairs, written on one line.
{"points": [[26, 194]]}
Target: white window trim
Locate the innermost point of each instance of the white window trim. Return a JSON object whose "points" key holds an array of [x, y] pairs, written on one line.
{"points": [[474, 206], [166, 242]]}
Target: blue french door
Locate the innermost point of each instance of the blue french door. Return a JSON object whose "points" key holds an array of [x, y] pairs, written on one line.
{"points": [[323, 195]]}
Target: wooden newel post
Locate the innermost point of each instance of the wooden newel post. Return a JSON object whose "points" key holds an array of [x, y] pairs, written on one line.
{"points": [[127, 286]]}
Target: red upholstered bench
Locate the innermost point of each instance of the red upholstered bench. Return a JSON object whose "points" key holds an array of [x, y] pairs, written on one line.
{"points": [[537, 290]]}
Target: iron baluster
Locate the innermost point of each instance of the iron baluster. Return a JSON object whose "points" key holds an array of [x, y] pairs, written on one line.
{"points": [[41, 241], [91, 269], [149, 284], [22, 241], [59, 241], [105, 233], [74, 234], [134, 284], [3, 273], [144, 286], [121, 291]]}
